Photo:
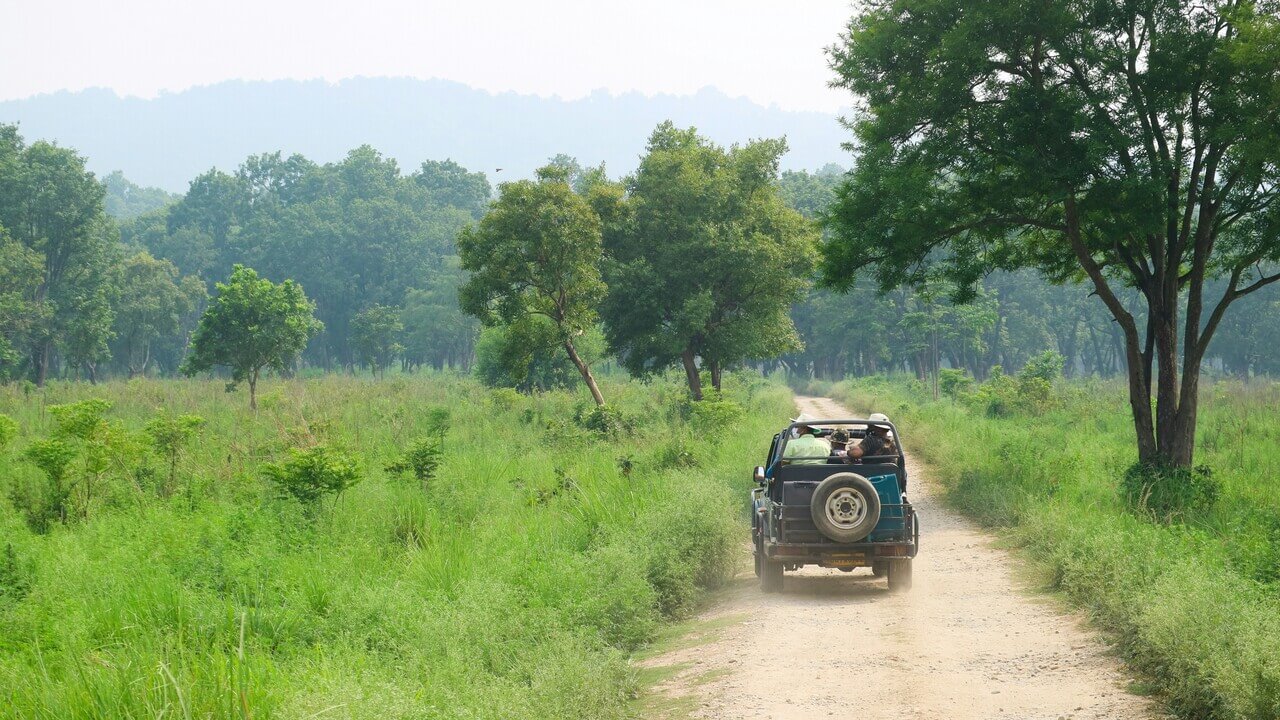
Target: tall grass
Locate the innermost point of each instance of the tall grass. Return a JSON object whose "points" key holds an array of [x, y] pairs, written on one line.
{"points": [[513, 585], [1195, 603]]}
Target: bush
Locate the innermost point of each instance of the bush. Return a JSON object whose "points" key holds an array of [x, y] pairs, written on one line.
{"points": [[169, 437], [954, 382], [420, 461], [1167, 493], [310, 475], [8, 430], [713, 415], [43, 504], [602, 419], [1046, 366]]}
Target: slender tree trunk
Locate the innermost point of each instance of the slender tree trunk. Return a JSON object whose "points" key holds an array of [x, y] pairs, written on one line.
{"points": [[691, 374], [583, 368], [42, 363], [253, 390], [715, 374]]}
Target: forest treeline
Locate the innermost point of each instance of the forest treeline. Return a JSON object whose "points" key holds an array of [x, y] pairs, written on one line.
{"points": [[105, 278]]}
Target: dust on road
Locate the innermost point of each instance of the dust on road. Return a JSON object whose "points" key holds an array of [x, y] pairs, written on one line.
{"points": [[964, 643]]}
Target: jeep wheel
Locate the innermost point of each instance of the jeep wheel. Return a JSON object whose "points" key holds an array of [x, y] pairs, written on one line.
{"points": [[845, 507], [770, 575], [900, 575], [879, 568], [758, 555]]}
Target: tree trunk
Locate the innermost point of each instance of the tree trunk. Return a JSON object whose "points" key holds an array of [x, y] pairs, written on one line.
{"points": [[587, 377], [42, 363], [253, 390], [715, 374], [691, 374]]}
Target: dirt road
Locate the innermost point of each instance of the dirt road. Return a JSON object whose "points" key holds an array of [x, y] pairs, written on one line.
{"points": [[965, 643]]}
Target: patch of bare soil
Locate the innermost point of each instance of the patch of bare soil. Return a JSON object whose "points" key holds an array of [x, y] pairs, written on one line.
{"points": [[967, 642]]}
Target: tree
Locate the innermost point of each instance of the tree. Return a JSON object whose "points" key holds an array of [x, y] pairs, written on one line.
{"points": [[436, 331], [252, 324], [705, 259], [150, 304], [448, 183], [53, 206], [21, 270], [1133, 144], [536, 254], [125, 200], [374, 332]]}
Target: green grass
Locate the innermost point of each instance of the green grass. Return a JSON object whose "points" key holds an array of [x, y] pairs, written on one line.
{"points": [[515, 585], [1195, 604]]}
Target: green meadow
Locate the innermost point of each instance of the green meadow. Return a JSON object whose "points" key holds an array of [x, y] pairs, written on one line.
{"points": [[487, 554]]}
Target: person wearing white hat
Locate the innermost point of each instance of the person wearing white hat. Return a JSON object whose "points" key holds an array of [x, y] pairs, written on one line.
{"points": [[878, 442], [806, 448]]}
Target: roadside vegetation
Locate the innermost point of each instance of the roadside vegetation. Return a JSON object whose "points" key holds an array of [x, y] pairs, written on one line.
{"points": [[414, 547], [1184, 569]]}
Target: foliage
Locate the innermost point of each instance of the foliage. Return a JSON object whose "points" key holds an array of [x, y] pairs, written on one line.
{"points": [[52, 206], [8, 430], [1033, 137], [710, 416], [374, 333], [1170, 493], [170, 435], [954, 383], [252, 324], [704, 257], [603, 419], [153, 303], [252, 608], [125, 200], [49, 502], [534, 260], [310, 475], [419, 460]]}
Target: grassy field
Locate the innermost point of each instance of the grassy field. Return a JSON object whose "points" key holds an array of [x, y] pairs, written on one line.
{"points": [[1193, 598], [547, 545]]}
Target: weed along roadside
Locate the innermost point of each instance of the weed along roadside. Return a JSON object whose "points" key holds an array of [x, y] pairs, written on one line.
{"points": [[419, 546], [1185, 577]]}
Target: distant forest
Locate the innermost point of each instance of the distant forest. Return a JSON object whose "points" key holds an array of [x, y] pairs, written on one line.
{"points": [[103, 278]]}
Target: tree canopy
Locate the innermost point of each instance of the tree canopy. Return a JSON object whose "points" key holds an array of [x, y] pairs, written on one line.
{"points": [[536, 254], [1135, 144], [704, 257], [252, 324]]}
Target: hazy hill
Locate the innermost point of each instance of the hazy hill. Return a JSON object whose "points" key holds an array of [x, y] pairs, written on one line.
{"points": [[166, 141]]}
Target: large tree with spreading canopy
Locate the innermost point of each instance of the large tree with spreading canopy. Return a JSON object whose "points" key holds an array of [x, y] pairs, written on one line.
{"points": [[1126, 143]]}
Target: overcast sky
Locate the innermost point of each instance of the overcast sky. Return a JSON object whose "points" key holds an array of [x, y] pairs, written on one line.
{"points": [[770, 51]]}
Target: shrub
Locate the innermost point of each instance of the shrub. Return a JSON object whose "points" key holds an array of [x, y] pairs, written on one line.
{"points": [[8, 431], [713, 415], [954, 382], [310, 475], [43, 505], [602, 419], [420, 461], [1169, 493], [438, 423], [1046, 366], [675, 454], [169, 437]]}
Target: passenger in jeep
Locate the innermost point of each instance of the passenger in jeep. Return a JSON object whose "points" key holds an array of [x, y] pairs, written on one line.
{"points": [[878, 441]]}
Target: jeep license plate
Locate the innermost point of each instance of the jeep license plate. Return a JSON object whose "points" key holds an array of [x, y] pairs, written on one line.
{"points": [[847, 560]]}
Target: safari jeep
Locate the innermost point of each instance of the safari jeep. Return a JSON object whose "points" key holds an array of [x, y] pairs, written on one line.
{"points": [[833, 513]]}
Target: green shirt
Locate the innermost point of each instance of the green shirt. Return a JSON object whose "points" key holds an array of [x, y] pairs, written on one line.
{"points": [[807, 450]]}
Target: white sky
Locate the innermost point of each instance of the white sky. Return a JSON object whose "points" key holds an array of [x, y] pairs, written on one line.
{"points": [[770, 51]]}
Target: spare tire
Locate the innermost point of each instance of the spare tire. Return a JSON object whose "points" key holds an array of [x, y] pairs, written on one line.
{"points": [[845, 507]]}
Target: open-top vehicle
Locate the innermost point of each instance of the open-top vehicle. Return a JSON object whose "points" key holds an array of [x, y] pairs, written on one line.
{"points": [[835, 512]]}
